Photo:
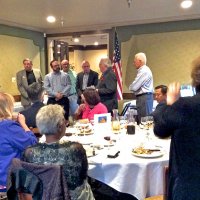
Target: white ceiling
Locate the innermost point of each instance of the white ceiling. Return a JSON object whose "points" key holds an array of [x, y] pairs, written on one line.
{"points": [[83, 15]]}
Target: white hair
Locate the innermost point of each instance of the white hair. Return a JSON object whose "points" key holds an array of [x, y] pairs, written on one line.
{"points": [[106, 62], [141, 56], [49, 118]]}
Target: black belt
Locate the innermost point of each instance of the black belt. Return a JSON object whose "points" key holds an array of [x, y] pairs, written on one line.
{"points": [[143, 94]]}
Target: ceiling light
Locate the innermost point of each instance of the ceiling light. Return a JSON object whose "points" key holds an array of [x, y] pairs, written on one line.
{"points": [[76, 40], [186, 4], [51, 19], [96, 43]]}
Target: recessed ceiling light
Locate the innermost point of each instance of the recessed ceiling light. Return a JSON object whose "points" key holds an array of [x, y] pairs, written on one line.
{"points": [[186, 3], [96, 43], [76, 40], [51, 19]]}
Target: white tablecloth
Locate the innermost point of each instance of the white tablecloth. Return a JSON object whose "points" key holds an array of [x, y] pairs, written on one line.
{"points": [[140, 177]]}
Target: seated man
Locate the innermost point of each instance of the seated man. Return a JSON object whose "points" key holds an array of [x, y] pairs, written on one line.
{"points": [[160, 96], [36, 94]]}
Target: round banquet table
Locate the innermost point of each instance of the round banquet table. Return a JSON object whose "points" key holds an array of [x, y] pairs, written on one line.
{"points": [[139, 176]]}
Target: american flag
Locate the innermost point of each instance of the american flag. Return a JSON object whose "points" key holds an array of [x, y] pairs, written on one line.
{"points": [[117, 67]]}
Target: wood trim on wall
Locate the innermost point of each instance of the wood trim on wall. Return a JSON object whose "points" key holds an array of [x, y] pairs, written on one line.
{"points": [[88, 47], [128, 96], [17, 98], [77, 33]]}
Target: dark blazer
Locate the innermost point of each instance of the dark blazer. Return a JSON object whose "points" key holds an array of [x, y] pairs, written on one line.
{"points": [[181, 121], [107, 88], [31, 112], [92, 80]]}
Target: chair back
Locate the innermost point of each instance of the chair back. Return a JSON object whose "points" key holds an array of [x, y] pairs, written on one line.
{"points": [[29, 181], [166, 182]]}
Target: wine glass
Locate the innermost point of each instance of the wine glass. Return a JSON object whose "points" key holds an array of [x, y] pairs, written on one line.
{"points": [[150, 121], [144, 121]]}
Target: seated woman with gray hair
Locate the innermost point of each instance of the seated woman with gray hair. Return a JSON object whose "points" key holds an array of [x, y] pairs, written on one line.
{"points": [[91, 106], [71, 155]]}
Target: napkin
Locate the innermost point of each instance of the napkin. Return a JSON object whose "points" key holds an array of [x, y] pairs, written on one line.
{"points": [[113, 153]]}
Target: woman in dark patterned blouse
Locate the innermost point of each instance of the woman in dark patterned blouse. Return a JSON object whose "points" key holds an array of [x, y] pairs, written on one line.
{"points": [[51, 122]]}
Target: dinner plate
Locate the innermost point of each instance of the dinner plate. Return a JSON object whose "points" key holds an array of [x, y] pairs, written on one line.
{"points": [[86, 133], [85, 141], [155, 154], [109, 144]]}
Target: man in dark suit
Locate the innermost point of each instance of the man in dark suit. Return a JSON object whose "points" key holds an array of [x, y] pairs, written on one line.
{"points": [[35, 93], [107, 86], [85, 79]]}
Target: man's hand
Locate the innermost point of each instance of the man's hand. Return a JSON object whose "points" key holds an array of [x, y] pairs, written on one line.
{"points": [[82, 98], [59, 96], [173, 93]]}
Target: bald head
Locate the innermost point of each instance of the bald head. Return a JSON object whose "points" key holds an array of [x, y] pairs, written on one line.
{"points": [[140, 60], [65, 65]]}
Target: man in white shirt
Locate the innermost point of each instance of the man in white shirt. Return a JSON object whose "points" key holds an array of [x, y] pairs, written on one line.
{"points": [[142, 86]]}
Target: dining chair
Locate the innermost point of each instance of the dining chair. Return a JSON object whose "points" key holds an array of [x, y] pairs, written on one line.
{"points": [[165, 186], [159, 197], [30, 181]]}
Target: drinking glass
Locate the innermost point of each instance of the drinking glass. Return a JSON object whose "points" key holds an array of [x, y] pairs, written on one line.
{"points": [[123, 122], [150, 121], [116, 126], [115, 121], [144, 122]]}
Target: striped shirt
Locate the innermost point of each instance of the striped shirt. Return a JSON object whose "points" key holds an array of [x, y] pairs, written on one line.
{"points": [[143, 82], [57, 82]]}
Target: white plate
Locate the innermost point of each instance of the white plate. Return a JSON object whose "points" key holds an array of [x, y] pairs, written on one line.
{"points": [[84, 140], [71, 130], [109, 144], [154, 154]]}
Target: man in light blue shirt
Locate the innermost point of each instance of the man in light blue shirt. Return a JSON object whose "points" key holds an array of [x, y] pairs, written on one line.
{"points": [[72, 95], [142, 86], [58, 85]]}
